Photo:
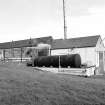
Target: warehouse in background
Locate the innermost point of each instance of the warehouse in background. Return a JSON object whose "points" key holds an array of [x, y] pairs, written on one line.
{"points": [[91, 49]]}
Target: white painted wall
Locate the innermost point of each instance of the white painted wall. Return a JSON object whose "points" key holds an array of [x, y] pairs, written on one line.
{"points": [[87, 54], [100, 48], [60, 52]]}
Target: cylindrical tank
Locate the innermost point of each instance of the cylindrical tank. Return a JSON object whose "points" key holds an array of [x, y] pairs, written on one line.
{"points": [[73, 60]]}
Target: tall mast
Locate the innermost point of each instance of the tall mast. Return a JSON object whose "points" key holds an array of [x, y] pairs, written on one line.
{"points": [[64, 17]]}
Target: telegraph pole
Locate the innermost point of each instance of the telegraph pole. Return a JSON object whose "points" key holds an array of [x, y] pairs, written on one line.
{"points": [[64, 17]]}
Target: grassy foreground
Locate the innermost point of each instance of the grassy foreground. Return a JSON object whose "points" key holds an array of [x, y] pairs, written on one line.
{"points": [[21, 85]]}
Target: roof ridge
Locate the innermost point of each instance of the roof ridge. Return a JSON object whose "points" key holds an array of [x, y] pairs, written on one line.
{"points": [[85, 37], [79, 37], [79, 42]]}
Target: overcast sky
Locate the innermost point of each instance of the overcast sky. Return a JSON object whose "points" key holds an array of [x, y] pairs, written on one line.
{"points": [[22, 19]]}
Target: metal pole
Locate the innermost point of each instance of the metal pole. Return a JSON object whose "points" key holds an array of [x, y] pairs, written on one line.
{"points": [[59, 62], [4, 54], [12, 48], [64, 17], [21, 53]]}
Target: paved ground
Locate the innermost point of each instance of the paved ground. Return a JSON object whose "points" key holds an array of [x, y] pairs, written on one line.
{"points": [[21, 85]]}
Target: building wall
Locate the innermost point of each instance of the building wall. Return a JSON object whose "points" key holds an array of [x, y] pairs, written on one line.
{"points": [[100, 50], [60, 52], [14, 52], [17, 53], [88, 54]]}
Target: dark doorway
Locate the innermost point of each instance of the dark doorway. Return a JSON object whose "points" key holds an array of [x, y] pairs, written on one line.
{"points": [[101, 63]]}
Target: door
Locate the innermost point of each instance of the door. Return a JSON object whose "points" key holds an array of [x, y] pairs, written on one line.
{"points": [[101, 63]]}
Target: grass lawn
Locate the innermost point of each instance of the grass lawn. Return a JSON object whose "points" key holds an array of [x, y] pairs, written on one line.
{"points": [[21, 85]]}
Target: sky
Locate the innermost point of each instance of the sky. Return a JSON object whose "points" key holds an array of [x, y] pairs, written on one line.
{"points": [[24, 19]]}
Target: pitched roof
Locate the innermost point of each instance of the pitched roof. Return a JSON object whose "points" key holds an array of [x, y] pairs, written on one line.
{"points": [[26, 43], [80, 42]]}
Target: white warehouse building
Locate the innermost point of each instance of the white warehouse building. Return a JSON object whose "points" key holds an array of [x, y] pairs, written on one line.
{"points": [[91, 50]]}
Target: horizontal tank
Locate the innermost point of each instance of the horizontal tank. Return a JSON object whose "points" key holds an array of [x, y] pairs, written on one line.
{"points": [[73, 61]]}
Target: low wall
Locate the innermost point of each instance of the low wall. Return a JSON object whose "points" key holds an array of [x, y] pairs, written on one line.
{"points": [[74, 71]]}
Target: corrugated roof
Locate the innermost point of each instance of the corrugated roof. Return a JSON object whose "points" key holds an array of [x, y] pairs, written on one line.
{"points": [[80, 42], [26, 43]]}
